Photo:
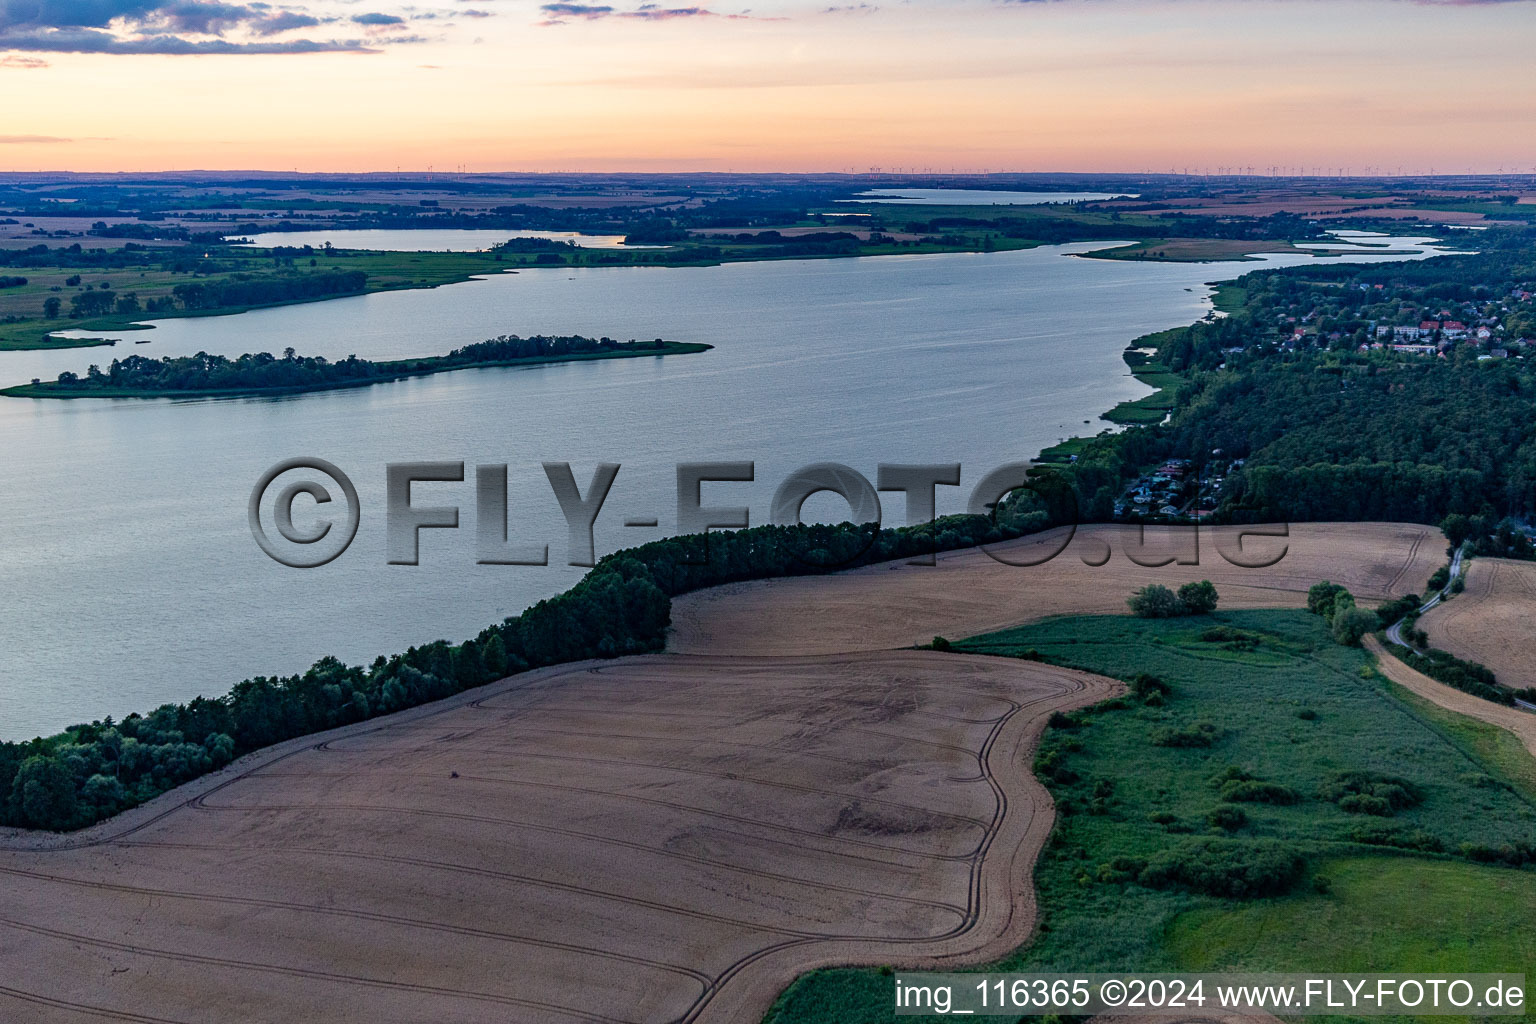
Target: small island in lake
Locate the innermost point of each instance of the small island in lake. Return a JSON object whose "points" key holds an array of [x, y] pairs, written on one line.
{"points": [[262, 373]]}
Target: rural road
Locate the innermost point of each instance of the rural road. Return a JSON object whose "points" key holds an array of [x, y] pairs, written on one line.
{"points": [[1395, 631]]}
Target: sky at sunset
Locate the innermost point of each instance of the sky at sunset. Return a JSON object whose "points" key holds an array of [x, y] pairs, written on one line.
{"points": [[1027, 85]]}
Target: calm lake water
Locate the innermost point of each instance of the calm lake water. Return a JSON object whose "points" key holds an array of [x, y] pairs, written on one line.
{"points": [[426, 239], [977, 197], [130, 574]]}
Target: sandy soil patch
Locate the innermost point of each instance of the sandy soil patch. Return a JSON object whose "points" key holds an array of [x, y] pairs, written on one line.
{"points": [[1491, 621], [968, 592]]}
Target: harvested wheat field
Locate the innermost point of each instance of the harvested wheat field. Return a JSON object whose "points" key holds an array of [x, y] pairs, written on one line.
{"points": [[656, 839], [1490, 621], [664, 838], [968, 592]]}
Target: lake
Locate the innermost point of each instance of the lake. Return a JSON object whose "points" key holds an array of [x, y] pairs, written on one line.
{"points": [[977, 197], [426, 239], [131, 576]]}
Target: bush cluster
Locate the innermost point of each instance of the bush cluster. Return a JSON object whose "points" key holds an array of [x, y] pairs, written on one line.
{"points": [[1349, 622], [1230, 868], [1362, 792], [1155, 601], [1197, 734]]}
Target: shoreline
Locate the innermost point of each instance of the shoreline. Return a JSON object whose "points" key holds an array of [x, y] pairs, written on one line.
{"points": [[487, 264]]}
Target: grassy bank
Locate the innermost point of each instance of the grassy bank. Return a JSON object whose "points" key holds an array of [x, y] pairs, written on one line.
{"points": [[151, 277], [1155, 407], [1210, 827], [1195, 250]]}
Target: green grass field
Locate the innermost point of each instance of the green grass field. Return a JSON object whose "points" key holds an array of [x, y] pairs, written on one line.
{"points": [[1401, 914], [1284, 708]]}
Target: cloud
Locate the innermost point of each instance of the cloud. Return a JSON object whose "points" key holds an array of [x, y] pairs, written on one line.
{"points": [[282, 21], [72, 13], [22, 62], [558, 13], [170, 27], [19, 140], [84, 41], [652, 12], [205, 18], [577, 10]]}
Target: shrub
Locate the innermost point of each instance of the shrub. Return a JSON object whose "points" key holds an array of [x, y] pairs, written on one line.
{"points": [[1062, 720], [1235, 639], [1322, 596], [1144, 685], [941, 644], [1351, 623], [1200, 734], [1228, 818], [1225, 867], [1516, 854], [1397, 838], [1198, 598], [1401, 608], [1155, 601], [1121, 869], [1361, 792], [1359, 803], [1307, 715], [1252, 791]]}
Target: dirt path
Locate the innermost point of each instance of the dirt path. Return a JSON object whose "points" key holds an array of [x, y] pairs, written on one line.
{"points": [[1521, 723], [664, 838]]}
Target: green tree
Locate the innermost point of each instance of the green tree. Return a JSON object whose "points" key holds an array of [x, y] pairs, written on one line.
{"points": [[1321, 598], [1457, 528], [1351, 623], [51, 307], [1155, 601], [44, 790], [1198, 598]]}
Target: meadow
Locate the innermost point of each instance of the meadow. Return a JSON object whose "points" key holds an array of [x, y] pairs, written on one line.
{"points": [[1212, 821]]}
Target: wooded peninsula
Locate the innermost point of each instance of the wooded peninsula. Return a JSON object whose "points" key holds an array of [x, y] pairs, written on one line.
{"points": [[262, 373]]}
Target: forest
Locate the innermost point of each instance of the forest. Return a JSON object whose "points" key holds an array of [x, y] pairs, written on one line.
{"points": [[1327, 430]]}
